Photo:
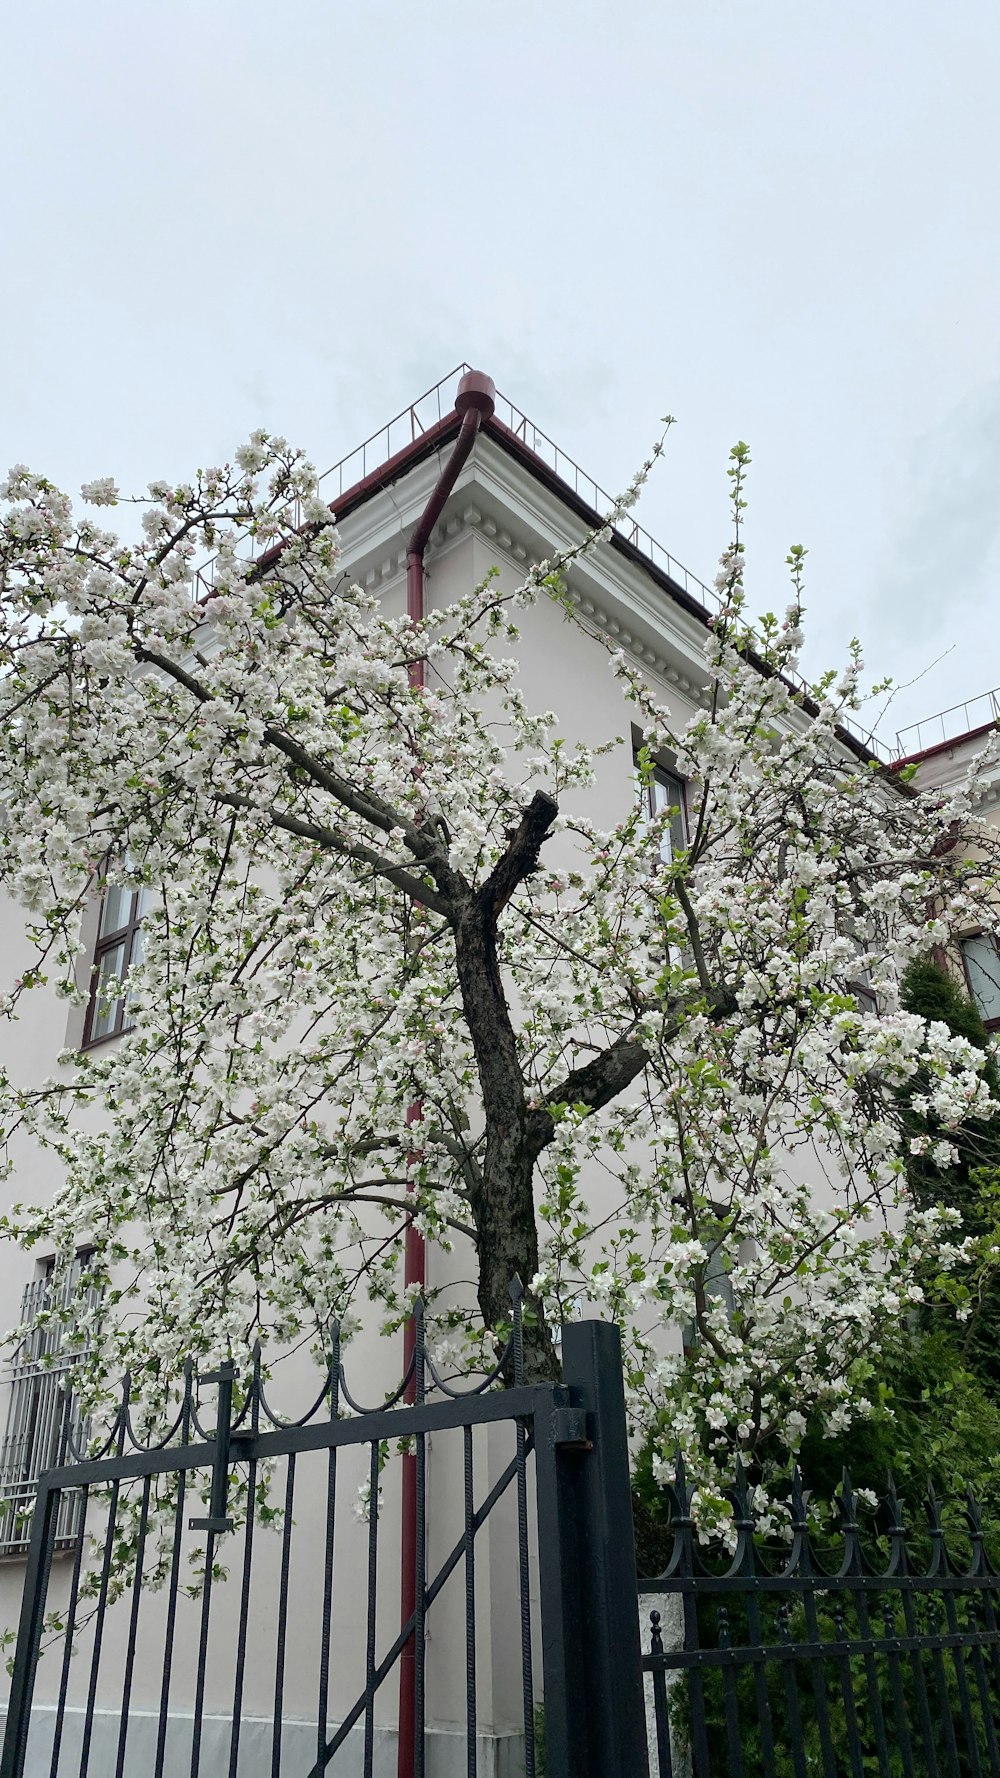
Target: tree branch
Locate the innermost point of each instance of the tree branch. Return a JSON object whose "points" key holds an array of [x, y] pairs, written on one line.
{"points": [[396, 874], [594, 1085], [370, 808], [694, 934], [521, 857]]}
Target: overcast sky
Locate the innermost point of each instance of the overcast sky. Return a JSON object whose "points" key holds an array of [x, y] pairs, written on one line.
{"points": [[776, 220]]}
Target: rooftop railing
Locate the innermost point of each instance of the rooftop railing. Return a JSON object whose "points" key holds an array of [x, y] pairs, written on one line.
{"points": [[433, 406], [949, 725]]}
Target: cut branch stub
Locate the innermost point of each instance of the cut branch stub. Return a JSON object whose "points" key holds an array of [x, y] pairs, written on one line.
{"points": [[521, 857], [594, 1085]]}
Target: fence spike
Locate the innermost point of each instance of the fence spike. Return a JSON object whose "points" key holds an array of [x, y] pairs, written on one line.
{"points": [[852, 1560], [981, 1563], [800, 1557], [895, 1529], [847, 1494], [941, 1562]]}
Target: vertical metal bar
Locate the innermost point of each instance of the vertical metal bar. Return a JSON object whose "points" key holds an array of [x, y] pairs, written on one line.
{"points": [[701, 1759], [991, 1625], [523, 1576], [524, 1597], [985, 1700], [567, 1754], [944, 1707], [373, 1474], [661, 1719], [282, 1621], [241, 1639], [420, 1578], [872, 1679], [331, 1515], [818, 1677], [731, 1700], [616, 1716], [896, 1682], [965, 1702], [199, 1690], [847, 1688], [795, 1735], [223, 1424], [29, 1633], [919, 1680], [133, 1627], [761, 1698], [168, 1633], [74, 1590], [470, 1608], [172, 1585], [102, 1601]]}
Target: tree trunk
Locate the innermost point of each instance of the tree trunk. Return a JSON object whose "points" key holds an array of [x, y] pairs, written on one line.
{"points": [[503, 1207]]}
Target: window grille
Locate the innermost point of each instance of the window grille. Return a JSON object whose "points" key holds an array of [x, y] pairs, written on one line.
{"points": [[982, 972], [43, 1415], [118, 949]]}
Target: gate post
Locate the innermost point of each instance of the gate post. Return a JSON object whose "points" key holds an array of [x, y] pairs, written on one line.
{"points": [[595, 1715], [29, 1631], [567, 1752]]}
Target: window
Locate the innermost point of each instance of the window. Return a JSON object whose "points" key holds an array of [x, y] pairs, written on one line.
{"points": [[982, 972], [860, 986], [666, 791], [118, 947], [859, 983], [717, 1288], [42, 1412]]}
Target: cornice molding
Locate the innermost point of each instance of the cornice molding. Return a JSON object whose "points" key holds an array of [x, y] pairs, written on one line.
{"points": [[498, 501]]}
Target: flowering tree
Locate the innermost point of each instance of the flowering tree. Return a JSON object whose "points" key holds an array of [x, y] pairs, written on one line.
{"points": [[646, 1082]]}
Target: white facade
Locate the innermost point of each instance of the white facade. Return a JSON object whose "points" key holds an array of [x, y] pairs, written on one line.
{"points": [[506, 511], [503, 513]]}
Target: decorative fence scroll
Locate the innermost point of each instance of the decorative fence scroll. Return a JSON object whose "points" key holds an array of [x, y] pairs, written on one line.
{"points": [[875, 1653], [190, 1635]]}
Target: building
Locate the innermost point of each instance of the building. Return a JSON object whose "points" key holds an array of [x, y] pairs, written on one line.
{"points": [[516, 499], [942, 747]]}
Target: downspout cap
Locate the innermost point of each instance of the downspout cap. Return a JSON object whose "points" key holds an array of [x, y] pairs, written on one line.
{"points": [[476, 390]]}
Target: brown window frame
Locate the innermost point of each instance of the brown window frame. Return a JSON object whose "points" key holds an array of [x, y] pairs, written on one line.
{"points": [[124, 936]]}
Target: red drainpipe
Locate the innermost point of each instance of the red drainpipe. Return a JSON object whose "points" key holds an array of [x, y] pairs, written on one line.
{"points": [[475, 401]]}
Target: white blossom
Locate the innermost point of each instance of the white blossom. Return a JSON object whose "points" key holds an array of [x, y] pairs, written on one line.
{"points": [[307, 822]]}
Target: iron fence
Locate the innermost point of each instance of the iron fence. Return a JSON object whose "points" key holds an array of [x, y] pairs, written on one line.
{"points": [[230, 1610], [874, 1654]]}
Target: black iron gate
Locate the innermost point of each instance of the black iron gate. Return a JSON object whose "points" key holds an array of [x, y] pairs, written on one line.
{"points": [[256, 1637], [874, 1653]]}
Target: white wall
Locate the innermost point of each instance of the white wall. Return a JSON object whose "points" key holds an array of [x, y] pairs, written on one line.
{"points": [[562, 668]]}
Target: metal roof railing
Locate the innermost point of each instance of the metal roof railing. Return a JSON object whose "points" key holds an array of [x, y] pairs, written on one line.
{"points": [[950, 724], [433, 406]]}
